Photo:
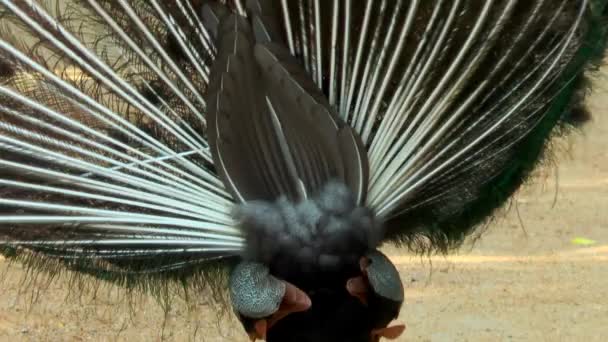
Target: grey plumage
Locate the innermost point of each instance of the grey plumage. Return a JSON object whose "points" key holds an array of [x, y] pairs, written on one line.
{"points": [[147, 141], [382, 277], [254, 292], [126, 118], [324, 233]]}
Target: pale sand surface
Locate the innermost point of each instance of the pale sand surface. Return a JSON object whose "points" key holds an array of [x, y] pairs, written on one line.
{"points": [[514, 284]]}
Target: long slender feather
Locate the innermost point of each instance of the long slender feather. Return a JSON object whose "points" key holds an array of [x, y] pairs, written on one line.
{"points": [[129, 129], [80, 173]]}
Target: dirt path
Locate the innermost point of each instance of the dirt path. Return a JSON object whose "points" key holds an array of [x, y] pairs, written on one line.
{"points": [[515, 284]]}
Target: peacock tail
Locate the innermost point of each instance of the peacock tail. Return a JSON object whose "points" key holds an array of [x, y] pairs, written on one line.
{"points": [[140, 139]]}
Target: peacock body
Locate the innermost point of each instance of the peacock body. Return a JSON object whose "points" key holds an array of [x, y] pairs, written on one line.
{"points": [[147, 142]]}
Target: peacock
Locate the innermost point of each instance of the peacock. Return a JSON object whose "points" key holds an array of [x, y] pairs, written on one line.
{"points": [[268, 148]]}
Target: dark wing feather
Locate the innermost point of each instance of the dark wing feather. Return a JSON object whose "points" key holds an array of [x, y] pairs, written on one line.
{"points": [[235, 104], [108, 141], [265, 21], [275, 135], [357, 167], [340, 144]]}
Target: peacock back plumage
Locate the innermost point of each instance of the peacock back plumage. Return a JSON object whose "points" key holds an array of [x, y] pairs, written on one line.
{"points": [[147, 142]]}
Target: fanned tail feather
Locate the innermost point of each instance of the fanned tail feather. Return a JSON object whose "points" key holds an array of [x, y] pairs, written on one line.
{"points": [[454, 100], [109, 114], [105, 164]]}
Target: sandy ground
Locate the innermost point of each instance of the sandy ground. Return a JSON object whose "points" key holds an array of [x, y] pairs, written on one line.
{"points": [[525, 280]]}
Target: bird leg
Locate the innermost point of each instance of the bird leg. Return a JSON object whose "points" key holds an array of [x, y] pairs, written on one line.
{"points": [[392, 333], [262, 300]]}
